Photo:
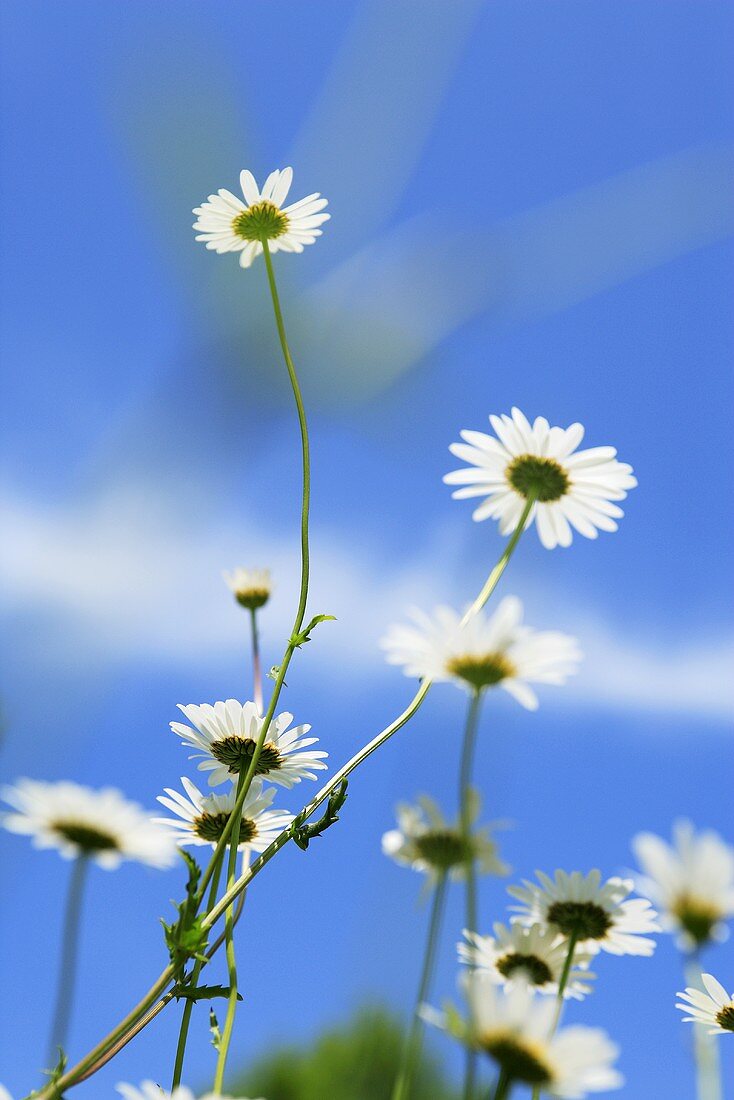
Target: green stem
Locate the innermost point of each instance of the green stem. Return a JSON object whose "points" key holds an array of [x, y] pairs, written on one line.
{"points": [[69, 955], [562, 983], [708, 1070], [413, 1042], [91, 1061], [257, 679], [504, 1085], [232, 974], [465, 800], [183, 1033]]}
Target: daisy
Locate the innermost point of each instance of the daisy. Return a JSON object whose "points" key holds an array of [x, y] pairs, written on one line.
{"points": [[250, 587], [597, 915], [691, 880], [4, 1094], [203, 817], [515, 1029], [487, 651], [535, 955], [227, 733], [426, 843], [227, 224], [570, 488], [78, 821], [148, 1090], [715, 1007]]}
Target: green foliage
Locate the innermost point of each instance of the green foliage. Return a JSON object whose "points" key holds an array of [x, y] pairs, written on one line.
{"points": [[306, 833], [185, 938], [304, 635], [357, 1060]]}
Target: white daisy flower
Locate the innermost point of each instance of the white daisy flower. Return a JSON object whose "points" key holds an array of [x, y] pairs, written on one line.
{"points": [[4, 1094], [250, 587], [203, 817], [535, 956], [571, 488], [227, 224], [101, 825], [691, 880], [148, 1090], [515, 1029], [487, 651], [597, 914], [715, 1007], [227, 733], [426, 843]]}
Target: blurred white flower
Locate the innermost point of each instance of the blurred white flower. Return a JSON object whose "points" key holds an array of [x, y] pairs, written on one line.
{"points": [[597, 914], [148, 1090], [691, 880], [534, 956], [102, 825], [227, 224], [203, 817], [487, 651], [227, 733], [571, 488], [4, 1094], [715, 1007], [515, 1030], [425, 842], [250, 587]]}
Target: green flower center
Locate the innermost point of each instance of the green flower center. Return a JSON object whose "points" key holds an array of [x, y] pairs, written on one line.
{"points": [[211, 826], [725, 1017], [537, 971], [481, 671], [236, 754], [85, 837], [443, 848], [542, 478], [260, 222], [253, 598], [519, 1060], [583, 919], [697, 918]]}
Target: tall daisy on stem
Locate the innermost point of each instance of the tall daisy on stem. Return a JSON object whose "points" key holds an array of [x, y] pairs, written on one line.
{"points": [[85, 826], [480, 654], [251, 588]]}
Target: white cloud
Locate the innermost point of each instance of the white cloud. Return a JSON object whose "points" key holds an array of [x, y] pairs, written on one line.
{"points": [[125, 577]]}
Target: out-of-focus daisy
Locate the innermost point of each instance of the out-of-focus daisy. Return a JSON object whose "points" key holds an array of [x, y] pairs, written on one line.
{"points": [[425, 842], [227, 224], [597, 914], [203, 818], [488, 651], [4, 1094], [101, 825], [534, 956], [227, 733], [250, 587], [572, 489], [715, 1007], [148, 1090], [515, 1030], [691, 880]]}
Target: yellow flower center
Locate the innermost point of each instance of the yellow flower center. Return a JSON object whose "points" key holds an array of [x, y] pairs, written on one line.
{"points": [[260, 222]]}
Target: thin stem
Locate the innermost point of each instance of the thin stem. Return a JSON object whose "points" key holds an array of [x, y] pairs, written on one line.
{"points": [[232, 975], [504, 1085], [257, 678], [183, 1033], [465, 804], [91, 1060], [708, 1070], [69, 955], [562, 983], [414, 1038]]}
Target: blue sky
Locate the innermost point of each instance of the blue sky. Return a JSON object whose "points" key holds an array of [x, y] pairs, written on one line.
{"points": [[531, 205]]}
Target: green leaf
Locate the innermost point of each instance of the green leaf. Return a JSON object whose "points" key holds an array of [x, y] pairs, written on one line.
{"points": [[305, 834], [185, 937], [202, 992], [303, 636]]}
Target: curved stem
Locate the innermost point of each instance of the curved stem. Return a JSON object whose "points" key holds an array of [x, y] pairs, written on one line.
{"points": [[257, 678], [69, 955], [232, 974], [183, 1033], [708, 1070], [465, 804], [413, 1042], [73, 1075]]}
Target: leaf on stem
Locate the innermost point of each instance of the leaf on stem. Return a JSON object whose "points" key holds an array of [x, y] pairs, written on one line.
{"points": [[303, 636], [305, 834], [185, 937]]}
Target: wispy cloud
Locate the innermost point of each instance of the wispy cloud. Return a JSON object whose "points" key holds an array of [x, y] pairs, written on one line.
{"points": [[124, 577]]}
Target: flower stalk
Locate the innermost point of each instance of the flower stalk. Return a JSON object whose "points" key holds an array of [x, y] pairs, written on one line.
{"points": [[69, 957], [465, 805], [706, 1051]]}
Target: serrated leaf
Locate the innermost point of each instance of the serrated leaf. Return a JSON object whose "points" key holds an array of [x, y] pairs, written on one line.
{"points": [[303, 636]]}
